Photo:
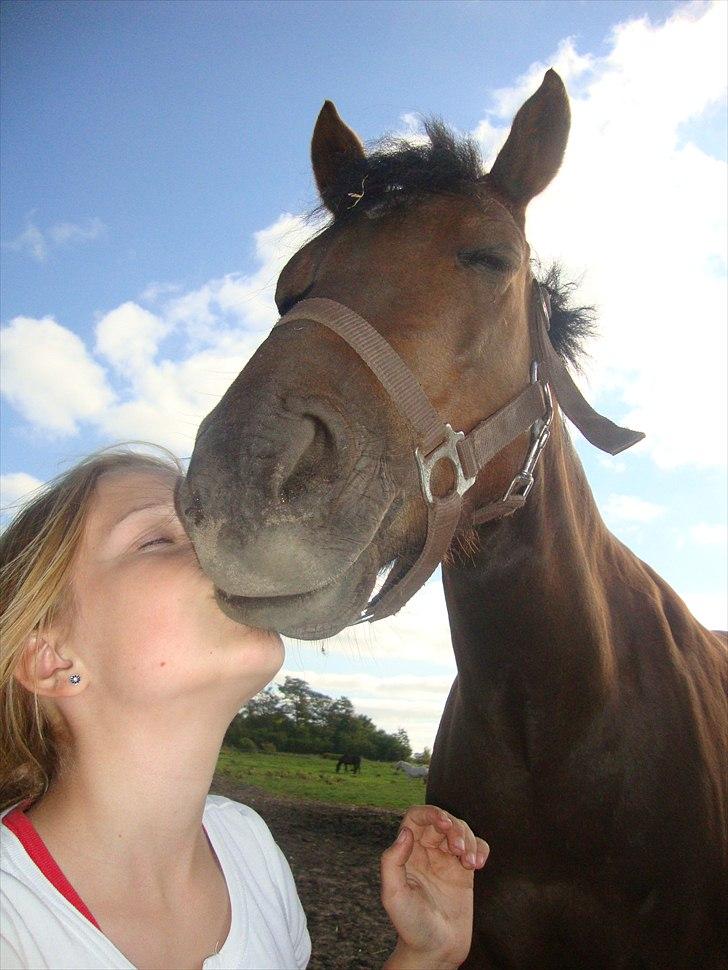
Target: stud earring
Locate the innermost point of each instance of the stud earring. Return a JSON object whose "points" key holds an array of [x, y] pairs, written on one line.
{"points": [[75, 678]]}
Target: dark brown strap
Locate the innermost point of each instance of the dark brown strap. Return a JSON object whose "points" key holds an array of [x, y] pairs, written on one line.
{"points": [[383, 360], [597, 429]]}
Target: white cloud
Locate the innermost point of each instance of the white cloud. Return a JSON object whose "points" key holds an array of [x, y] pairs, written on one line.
{"points": [[631, 508], [413, 702], [49, 376], [644, 213], [386, 688], [709, 608], [15, 487], [32, 241], [636, 205], [615, 465], [38, 243], [419, 634], [65, 232], [129, 337], [705, 534], [155, 291]]}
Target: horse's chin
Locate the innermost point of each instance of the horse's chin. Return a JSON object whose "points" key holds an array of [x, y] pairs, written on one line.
{"points": [[314, 615]]}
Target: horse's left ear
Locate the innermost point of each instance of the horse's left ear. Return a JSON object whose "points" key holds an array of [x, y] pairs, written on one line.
{"points": [[535, 146], [332, 144]]}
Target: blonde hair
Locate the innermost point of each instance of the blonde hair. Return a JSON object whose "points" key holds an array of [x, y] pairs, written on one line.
{"points": [[37, 551]]}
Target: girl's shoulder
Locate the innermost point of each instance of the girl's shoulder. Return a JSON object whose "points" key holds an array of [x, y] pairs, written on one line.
{"points": [[228, 811], [238, 824]]}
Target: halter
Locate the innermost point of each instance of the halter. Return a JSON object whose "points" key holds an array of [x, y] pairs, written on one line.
{"points": [[468, 453]]}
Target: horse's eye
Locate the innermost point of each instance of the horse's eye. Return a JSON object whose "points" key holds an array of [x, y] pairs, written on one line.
{"points": [[287, 303], [485, 259]]}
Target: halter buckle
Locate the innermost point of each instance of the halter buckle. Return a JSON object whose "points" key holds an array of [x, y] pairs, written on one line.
{"points": [[519, 487], [448, 449], [540, 432]]}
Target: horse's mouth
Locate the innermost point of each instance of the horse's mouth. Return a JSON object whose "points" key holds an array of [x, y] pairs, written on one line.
{"points": [[322, 612], [313, 615]]}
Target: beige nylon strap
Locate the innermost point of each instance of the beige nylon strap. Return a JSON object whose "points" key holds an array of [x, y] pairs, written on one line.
{"points": [[477, 448], [442, 520], [500, 509], [382, 359], [497, 431], [408, 396], [597, 429]]}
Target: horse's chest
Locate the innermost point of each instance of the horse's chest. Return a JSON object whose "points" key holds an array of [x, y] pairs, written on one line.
{"points": [[528, 921]]}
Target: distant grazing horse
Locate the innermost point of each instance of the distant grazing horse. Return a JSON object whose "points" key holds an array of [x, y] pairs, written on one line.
{"points": [[585, 734], [413, 771], [349, 759]]}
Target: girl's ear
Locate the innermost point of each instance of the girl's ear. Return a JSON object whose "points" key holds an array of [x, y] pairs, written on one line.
{"points": [[43, 671]]}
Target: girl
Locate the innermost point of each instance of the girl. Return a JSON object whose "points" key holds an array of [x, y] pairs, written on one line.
{"points": [[119, 677]]}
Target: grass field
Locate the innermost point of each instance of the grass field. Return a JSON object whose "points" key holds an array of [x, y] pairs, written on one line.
{"points": [[314, 777]]}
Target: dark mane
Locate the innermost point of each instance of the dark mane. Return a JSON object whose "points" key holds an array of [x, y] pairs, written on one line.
{"points": [[571, 325], [398, 173]]}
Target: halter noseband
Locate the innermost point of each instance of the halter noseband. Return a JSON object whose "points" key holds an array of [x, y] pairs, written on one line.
{"points": [[468, 453]]}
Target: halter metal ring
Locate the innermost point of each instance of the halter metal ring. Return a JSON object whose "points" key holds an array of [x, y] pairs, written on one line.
{"points": [[524, 480], [448, 449]]}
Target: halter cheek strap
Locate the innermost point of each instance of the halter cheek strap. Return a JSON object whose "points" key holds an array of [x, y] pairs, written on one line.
{"points": [[468, 453]]}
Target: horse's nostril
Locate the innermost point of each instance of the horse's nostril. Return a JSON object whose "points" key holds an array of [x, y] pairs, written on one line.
{"points": [[314, 462], [193, 510]]}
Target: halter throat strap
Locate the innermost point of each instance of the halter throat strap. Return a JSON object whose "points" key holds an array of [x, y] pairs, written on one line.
{"points": [[468, 453]]}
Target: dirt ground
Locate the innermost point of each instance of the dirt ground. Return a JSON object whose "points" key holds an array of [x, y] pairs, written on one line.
{"points": [[334, 854]]}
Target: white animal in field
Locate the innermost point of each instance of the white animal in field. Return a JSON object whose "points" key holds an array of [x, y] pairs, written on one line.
{"points": [[414, 771]]}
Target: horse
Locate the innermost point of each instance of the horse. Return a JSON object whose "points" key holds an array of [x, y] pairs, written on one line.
{"points": [[412, 771], [349, 759], [408, 408]]}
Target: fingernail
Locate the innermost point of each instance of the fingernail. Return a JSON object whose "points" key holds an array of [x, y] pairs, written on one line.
{"points": [[470, 859], [446, 819], [402, 836], [459, 844]]}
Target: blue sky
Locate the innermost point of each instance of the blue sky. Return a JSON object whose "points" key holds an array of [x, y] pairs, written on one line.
{"points": [[154, 168]]}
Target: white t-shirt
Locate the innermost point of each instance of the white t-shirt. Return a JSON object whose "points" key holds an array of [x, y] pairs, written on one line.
{"points": [[40, 928]]}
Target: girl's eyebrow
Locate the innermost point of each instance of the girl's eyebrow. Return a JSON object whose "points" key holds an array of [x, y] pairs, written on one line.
{"points": [[167, 507]]}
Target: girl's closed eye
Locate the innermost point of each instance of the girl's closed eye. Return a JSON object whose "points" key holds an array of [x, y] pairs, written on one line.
{"points": [[157, 540]]}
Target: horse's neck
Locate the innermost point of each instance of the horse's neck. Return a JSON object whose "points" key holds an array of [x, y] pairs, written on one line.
{"points": [[534, 609]]}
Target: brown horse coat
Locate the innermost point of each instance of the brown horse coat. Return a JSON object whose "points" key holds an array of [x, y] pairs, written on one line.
{"points": [[585, 736]]}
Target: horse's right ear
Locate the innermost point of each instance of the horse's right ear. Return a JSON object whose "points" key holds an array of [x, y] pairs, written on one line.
{"points": [[535, 146], [333, 143]]}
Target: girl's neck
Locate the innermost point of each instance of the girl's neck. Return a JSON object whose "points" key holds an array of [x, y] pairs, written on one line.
{"points": [[133, 807]]}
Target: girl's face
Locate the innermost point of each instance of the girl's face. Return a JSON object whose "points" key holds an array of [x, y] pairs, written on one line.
{"points": [[145, 625]]}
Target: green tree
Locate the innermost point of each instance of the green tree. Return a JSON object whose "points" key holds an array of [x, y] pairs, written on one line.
{"points": [[294, 717]]}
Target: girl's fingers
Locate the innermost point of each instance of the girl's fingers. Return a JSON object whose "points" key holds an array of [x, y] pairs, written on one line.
{"points": [[429, 815], [449, 833], [393, 861], [482, 851], [462, 842]]}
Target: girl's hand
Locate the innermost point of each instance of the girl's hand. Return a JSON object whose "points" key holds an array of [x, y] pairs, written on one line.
{"points": [[427, 889]]}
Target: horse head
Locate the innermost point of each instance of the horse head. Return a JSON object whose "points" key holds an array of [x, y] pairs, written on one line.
{"points": [[303, 486]]}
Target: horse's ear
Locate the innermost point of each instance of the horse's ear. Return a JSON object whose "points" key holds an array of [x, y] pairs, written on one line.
{"points": [[535, 146], [332, 144]]}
